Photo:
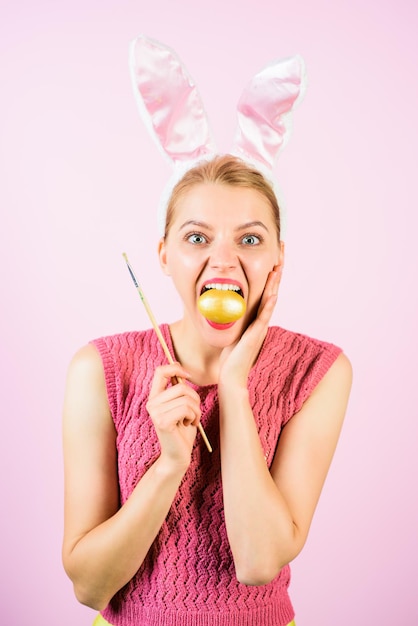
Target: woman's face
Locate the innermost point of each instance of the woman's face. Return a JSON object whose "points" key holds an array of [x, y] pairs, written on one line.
{"points": [[221, 233]]}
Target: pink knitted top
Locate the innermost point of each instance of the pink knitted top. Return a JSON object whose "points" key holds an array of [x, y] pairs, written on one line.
{"points": [[188, 577]]}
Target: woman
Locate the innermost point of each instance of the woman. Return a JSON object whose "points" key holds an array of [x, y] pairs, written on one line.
{"points": [[157, 529]]}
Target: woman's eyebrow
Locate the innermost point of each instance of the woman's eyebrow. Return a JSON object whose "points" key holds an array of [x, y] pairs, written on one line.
{"points": [[251, 225], [197, 223]]}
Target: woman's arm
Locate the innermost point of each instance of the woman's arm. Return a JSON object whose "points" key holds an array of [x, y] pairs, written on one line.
{"points": [[105, 544], [268, 514]]}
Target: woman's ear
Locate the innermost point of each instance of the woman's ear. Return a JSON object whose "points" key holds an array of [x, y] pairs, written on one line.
{"points": [[281, 254], [162, 255]]}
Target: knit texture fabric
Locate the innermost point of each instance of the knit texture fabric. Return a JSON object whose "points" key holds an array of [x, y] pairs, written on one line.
{"points": [[188, 576]]}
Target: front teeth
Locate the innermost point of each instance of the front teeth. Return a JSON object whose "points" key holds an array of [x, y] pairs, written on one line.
{"points": [[222, 286]]}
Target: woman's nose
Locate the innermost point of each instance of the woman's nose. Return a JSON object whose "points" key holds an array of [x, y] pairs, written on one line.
{"points": [[223, 256]]}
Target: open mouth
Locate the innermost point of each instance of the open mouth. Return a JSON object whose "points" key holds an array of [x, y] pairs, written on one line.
{"points": [[221, 303], [222, 287]]}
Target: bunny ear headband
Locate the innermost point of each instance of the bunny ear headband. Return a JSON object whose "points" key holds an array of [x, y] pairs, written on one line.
{"points": [[173, 112]]}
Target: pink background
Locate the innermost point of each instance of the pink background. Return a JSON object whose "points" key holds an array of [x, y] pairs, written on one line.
{"points": [[80, 182]]}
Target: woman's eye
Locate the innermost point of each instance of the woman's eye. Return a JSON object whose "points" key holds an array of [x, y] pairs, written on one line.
{"points": [[196, 238], [251, 240]]}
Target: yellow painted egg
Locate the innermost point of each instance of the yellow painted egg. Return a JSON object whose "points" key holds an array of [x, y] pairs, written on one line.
{"points": [[221, 306]]}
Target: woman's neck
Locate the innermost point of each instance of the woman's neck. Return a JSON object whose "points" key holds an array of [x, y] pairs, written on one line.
{"points": [[199, 358]]}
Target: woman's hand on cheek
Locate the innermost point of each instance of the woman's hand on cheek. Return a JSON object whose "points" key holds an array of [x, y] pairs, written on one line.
{"points": [[175, 412], [237, 359]]}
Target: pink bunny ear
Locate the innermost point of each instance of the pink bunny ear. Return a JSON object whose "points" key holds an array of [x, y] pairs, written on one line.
{"points": [[169, 102], [264, 110]]}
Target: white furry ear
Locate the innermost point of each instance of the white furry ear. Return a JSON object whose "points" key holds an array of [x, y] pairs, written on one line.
{"points": [[173, 112], [168, 102], [264, 110]]}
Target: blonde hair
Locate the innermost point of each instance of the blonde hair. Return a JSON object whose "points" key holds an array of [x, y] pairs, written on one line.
{"points": [[227, 170]]}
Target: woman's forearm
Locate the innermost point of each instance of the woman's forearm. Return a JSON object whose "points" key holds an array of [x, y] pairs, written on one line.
{"points": [[104, 559], [260, 529]]}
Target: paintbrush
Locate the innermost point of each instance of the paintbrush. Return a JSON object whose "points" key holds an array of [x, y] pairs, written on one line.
{"points": [[160, 337]]}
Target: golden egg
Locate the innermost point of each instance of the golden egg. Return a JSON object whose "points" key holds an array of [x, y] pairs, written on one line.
{"points": [[221, 306]]}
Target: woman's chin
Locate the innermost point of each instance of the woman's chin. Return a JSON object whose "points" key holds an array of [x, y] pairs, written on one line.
{"points": [[221, 335]]}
